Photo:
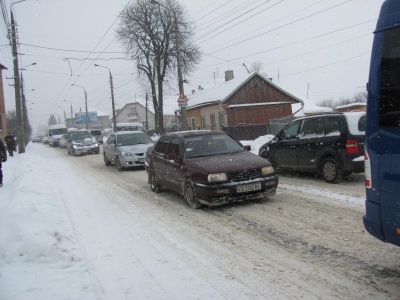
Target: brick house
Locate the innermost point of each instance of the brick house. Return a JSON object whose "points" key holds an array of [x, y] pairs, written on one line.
{"points": [[3, 120], [240, 107]]}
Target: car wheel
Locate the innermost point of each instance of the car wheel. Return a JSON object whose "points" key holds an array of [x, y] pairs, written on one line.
{"points": [[118, 165], [190, 195], [69, 152], [106, 161], [154, 186], [330, 170]]}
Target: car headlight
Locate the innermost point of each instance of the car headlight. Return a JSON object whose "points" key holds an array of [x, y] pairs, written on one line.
{"points": [[95, 145], [127, 154], [267, 170], [219, 177]]}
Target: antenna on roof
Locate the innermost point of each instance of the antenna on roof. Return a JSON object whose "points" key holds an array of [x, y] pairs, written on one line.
{"points": [[246, 68]]}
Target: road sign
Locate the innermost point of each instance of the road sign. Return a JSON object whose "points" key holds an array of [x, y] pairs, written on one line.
{"points": [[182, 99], [182, 104]]}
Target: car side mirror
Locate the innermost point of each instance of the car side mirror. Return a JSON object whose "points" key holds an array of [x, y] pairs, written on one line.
{"points": [[247, 148]]}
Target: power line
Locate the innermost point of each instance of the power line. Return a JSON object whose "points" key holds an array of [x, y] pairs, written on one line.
{"points": [[240, 21], [279, 27]]}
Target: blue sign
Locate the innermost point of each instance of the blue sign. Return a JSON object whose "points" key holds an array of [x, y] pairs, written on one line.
{"points": [[80, 118]]}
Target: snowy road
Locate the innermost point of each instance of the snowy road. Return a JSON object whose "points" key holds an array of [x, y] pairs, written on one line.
{"points": [[306, 242]]}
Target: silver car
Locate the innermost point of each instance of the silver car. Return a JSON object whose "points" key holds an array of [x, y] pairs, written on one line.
{"points": [[126, 149]]}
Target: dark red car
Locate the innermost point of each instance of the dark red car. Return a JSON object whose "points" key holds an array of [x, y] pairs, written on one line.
{"points": [[208, 167]]}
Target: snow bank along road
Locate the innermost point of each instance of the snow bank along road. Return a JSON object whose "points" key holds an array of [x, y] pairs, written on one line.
{"points": [[306, 242]]}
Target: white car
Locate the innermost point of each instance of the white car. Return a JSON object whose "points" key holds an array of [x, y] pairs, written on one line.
{"points": [[126, 149]]}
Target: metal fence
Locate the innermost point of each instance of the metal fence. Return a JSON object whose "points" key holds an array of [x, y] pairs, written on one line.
{"points": [[274, 125]]}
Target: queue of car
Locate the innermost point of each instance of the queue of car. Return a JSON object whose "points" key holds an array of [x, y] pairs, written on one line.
{"points": [[209, 167]]}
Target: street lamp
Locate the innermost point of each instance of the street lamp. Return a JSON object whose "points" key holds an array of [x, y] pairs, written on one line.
{"points": [[112, 96], [71, 107], [32, 64], [87, 121]]}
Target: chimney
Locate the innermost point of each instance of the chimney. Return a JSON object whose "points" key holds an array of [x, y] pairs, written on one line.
{"points": [[229, 75], [193, 91], [200, 87]]}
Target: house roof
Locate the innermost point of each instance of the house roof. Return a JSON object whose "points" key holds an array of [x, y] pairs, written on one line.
{"points": [[225, 90]]}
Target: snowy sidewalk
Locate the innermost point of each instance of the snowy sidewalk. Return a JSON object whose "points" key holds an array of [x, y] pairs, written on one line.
{"points": [[39, 255]]}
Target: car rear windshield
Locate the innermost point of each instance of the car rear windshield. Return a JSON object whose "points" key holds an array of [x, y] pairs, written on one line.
{"points": [[133, 139], [81, 136], [356, 122], [207, 145]]}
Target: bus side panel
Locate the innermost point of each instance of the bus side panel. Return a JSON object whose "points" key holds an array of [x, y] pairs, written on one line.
{"points": [[389, 175]]}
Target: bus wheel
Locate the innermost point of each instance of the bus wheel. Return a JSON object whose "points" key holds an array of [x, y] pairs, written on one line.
{"points": [[330, 170]]}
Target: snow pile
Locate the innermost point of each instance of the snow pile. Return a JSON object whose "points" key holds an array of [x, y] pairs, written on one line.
{"points": [[37, 243], [258, 142]]}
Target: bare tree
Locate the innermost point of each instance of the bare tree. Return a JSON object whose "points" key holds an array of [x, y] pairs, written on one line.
{"points": [[152, 32], [256, 66], [360, 97]]}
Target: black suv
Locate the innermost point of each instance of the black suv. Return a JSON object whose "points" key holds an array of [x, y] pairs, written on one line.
{"points": [[331, 144]]}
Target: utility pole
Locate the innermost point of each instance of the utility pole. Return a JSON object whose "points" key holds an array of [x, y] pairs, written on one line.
{"points": [[25, 120], [147, 122], [18, 110], [112, 101], [87, 121], [183, 104], [112, 96]]}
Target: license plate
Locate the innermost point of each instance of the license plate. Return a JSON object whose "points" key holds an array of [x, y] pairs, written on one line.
{"points": [[248, 188], [141, 160]]}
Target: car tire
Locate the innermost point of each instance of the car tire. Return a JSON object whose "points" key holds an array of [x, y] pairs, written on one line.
{"points": [[154, 185], [118, 164], [190, 195], [106, 161], [330, 170]]}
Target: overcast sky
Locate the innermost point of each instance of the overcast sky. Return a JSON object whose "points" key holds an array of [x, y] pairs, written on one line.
{"points": [[324, 45]]}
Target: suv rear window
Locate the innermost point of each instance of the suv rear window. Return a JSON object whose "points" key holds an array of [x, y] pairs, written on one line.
{"points": [[356, 122]]}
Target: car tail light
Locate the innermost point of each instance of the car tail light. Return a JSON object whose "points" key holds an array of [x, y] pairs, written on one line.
{"points": [[352, 146], [367, 171]]}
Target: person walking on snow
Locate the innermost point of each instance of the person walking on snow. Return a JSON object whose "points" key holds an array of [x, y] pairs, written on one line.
{"points": [[3, 158], [10, 141]]}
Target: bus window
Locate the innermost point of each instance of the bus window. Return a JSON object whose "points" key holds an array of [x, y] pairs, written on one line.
{"points": [[389, 100]]}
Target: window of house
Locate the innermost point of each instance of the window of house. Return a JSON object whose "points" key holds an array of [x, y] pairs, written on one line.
{"points": [[212, 119], [193, 123], [203, 122], [133, 111], [221, 119]]}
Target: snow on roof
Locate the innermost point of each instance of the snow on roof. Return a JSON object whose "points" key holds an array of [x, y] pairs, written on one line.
{"points": [[351, 104], [223, 91]]}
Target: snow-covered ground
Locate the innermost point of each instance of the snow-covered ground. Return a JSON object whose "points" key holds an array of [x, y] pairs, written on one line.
{"points": [[39, 254], [67, 233]]}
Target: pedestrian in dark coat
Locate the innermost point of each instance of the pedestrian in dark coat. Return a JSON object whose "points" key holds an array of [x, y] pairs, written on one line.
{"points": [[3, 158], [10, 141]]}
